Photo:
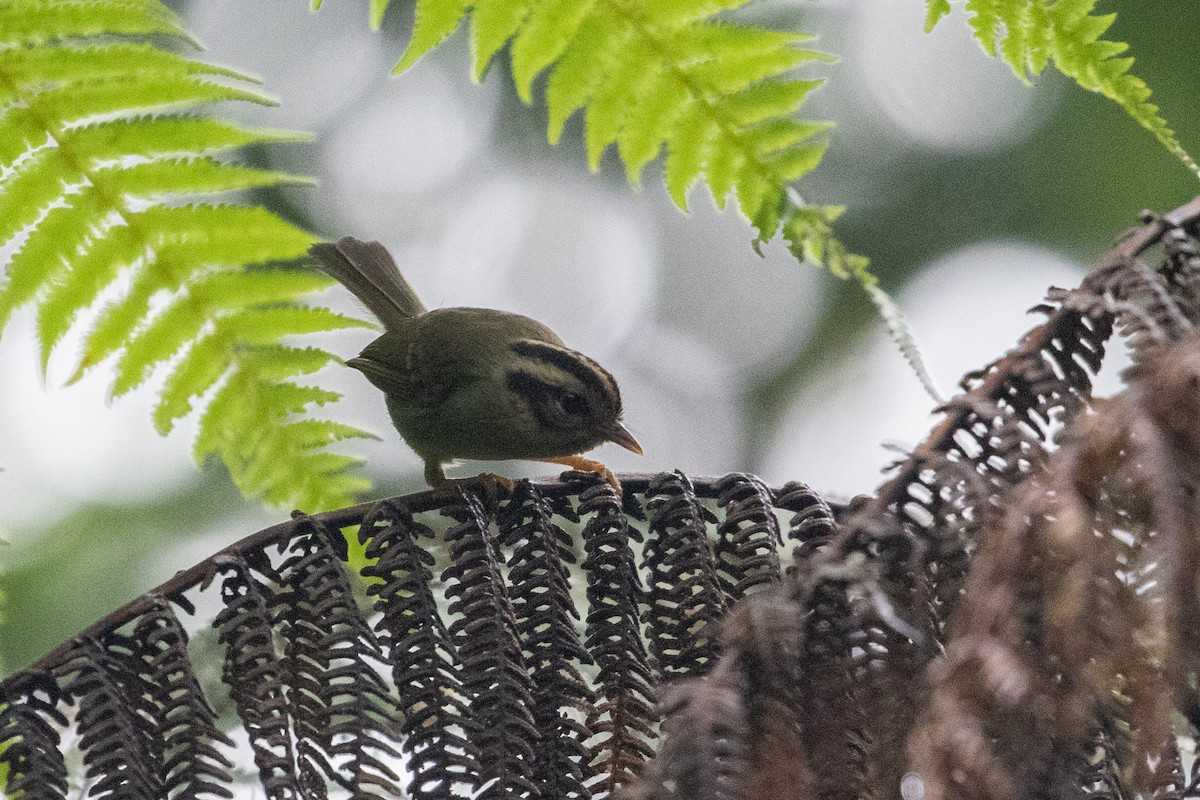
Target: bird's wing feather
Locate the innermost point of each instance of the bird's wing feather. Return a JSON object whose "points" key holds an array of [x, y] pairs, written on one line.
{"points": [[431, 356], [403, 368]]}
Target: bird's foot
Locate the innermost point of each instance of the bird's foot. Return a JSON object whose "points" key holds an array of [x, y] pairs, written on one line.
{"points": [[581, 464], [508, 484]]}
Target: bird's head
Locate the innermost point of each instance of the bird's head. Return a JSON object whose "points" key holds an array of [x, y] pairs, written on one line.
{"points": [[572, 398]]}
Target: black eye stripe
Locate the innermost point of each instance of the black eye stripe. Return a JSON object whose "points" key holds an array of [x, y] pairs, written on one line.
{"points": [[582, 368], [536, 393]]}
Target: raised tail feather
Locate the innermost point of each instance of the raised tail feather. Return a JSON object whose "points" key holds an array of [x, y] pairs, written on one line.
{"points": [[368, 271]]}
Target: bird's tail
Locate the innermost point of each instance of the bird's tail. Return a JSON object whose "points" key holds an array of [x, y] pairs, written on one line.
{"points": [[368, 271]]}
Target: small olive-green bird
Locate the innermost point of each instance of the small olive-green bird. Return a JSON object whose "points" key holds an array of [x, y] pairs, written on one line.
{"points": [[474, 382]]}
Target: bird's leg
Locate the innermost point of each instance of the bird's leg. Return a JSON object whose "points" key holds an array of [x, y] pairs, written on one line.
{"points": [[581, 464], [435, 476]]}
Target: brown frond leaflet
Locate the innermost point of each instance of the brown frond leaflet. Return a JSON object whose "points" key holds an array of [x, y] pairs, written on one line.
{"points": [[338, 703], [194, 764], [685, 597], [812, 524], [624, 717], [30, 720], [767, 632], [544, 611], [121, 755], [830, 667], [253, 671], [495, 676], [829, 639], [748, 538], [434, 718], [704, 747], [1181, 270]]}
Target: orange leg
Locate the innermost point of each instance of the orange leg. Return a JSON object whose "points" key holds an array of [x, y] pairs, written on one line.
{"points": [[581, 464]]}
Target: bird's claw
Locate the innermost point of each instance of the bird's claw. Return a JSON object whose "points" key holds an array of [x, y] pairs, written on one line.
{"points": [[497, 481], [590, 467]]}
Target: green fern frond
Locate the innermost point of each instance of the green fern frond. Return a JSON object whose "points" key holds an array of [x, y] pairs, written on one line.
{"points": [[433, 24], [30, 22], [808, 228], [1030, 34], [106, 203], [934, 11], [250, 425], [650, 74]]}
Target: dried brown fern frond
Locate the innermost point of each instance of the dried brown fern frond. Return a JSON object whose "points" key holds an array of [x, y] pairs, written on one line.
{"points": [[546, 614], [624, 717], [253, 671], [479, 680], [342, 718], [684, 592], [30, 722], [875, 598], [705, 748], [435, 721], [1078, 619], [498, 685]]}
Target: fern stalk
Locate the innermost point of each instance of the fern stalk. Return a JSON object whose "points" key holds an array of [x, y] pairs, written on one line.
{"points": [[108, 199]]}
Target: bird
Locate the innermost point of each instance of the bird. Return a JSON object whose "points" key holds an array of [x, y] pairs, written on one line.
{"points": [[475, 383]]}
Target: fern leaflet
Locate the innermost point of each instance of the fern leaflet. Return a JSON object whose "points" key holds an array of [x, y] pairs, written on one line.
{"points": [[107, 178], [1029, 34]]}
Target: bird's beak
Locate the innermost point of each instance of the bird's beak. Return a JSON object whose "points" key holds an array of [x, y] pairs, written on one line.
{"points": [[619, 434]]}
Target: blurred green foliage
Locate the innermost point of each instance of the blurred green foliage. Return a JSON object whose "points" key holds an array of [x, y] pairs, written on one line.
{"points": [[63, 575]]}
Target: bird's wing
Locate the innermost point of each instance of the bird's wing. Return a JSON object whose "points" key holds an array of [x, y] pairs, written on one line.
{"points": [[427, 358], [402, 367]]}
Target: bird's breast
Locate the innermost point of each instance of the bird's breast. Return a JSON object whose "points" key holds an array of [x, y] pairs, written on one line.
{"points": [[475, 421]]}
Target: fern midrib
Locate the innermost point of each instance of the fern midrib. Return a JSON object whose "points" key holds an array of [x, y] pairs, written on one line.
{"points": [[113, 200], [64, 151], [724, 122]]}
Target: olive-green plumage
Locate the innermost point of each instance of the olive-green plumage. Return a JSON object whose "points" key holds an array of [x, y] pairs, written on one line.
{"points": [[474, 382]]}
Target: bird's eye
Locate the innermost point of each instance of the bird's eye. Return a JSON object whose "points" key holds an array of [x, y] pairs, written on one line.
{"points": [[573, 404]]}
